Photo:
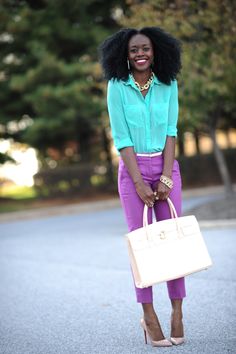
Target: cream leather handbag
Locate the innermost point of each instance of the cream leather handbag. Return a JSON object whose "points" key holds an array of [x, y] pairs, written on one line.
{"points": [[166, 250]]}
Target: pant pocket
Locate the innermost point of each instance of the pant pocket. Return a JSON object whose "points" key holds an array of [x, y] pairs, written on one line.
{"points": [[124, 180]]}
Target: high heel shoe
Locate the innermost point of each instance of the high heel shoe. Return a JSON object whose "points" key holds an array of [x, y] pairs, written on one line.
{"points": [[155, 343], [177, 340]]}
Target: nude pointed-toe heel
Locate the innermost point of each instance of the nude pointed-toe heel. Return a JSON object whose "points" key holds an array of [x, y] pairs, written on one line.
{"points": [[177, 340], [155, 343]]}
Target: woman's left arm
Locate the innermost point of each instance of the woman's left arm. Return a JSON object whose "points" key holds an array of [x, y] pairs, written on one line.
{"points": [[168, 160], [169, 150]]}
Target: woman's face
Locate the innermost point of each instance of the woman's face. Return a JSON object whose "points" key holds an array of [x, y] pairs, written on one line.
{"points": [[140, 52]]}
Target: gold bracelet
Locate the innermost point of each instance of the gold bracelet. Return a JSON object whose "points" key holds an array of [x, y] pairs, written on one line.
{"points": [[167, 181]]}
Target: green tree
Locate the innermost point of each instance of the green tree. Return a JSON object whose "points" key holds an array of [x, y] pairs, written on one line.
{"points": [[5, 158], [51, 91]]}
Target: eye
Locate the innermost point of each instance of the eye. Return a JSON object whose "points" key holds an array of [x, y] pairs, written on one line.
{"points": [[133, 50], [146, 49]]}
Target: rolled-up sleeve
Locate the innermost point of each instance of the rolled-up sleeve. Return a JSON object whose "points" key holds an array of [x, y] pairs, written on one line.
{"points": [[119, 127], [173, 110]]}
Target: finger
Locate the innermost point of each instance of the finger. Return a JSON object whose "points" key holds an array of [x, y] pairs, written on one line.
{"points": [[155, 195], [150, 197], [151, 200], [150, 203], [167, 194], [161, 195]]}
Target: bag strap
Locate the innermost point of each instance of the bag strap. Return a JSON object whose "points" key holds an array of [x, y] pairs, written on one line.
{"points": [[173, 216], [172, 208], [173, 212]]}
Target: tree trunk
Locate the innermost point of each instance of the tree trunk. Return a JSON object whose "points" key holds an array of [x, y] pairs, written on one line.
{"points": [[181, 144], [106, 147], [221, 163], [84, 134], [196, 138], [227, 132]]}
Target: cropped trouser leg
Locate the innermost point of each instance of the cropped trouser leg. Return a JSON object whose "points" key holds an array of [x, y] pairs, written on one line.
{"points": [[151, 170]]}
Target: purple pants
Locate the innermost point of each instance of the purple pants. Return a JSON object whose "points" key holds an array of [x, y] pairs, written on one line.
{"points": [[151, 170]]}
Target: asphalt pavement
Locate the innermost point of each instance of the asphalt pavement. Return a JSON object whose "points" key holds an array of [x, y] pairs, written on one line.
{"points": [[66, 288]]}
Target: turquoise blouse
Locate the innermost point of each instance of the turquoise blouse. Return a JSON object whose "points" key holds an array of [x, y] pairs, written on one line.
{"points": [[143, 123]]}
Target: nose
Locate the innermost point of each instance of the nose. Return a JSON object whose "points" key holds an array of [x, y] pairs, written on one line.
{"points": [[140, 52]]}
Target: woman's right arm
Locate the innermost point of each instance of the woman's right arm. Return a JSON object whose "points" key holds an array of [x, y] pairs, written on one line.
{"points": [[123, 142]]}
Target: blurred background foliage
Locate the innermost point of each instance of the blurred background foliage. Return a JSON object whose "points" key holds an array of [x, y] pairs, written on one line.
{"points": [[52, 85], [53, 96]]}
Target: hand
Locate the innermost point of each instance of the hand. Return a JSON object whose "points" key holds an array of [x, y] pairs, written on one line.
{"points": [[162, 191], [145, 193]]}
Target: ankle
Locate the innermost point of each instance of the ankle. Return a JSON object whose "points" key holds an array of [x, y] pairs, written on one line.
{"points": [[150, 319], [148, 311], [177, 312], [150, 316]]}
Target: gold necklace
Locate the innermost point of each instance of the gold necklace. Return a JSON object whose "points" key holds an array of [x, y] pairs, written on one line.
{"points": [[145, 86]]}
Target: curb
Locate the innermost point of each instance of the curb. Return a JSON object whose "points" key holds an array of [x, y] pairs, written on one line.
{"points": [[86, 207], [59, 210], [216, 224]]}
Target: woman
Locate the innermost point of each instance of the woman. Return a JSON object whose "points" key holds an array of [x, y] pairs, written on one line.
{"points": [[141, 66]]}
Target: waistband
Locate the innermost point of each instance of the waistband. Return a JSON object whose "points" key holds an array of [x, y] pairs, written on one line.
{"points": [[150, 155]]}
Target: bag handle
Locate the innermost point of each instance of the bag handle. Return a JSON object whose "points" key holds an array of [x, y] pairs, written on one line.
{"points": [[173, 212], [173, 216]]}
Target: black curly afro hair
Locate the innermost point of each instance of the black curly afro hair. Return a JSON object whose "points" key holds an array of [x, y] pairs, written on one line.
{"points": [[167, 49]]}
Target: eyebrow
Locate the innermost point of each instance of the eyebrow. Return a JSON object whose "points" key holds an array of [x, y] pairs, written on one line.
{"points": [[135, 46]]}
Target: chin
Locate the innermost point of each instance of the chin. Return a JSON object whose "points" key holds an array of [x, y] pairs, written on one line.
{"points": [[141, 69]]}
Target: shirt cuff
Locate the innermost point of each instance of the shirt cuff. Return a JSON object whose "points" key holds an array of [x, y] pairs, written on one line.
{"points": [[171, 131], [123, 143]]}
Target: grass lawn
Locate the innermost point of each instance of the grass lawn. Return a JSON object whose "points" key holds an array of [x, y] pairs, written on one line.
{"points": [[16, 198], [17, 192]]}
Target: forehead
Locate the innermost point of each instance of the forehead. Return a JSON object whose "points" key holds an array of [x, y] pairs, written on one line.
{"points": [[139, 40]]}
